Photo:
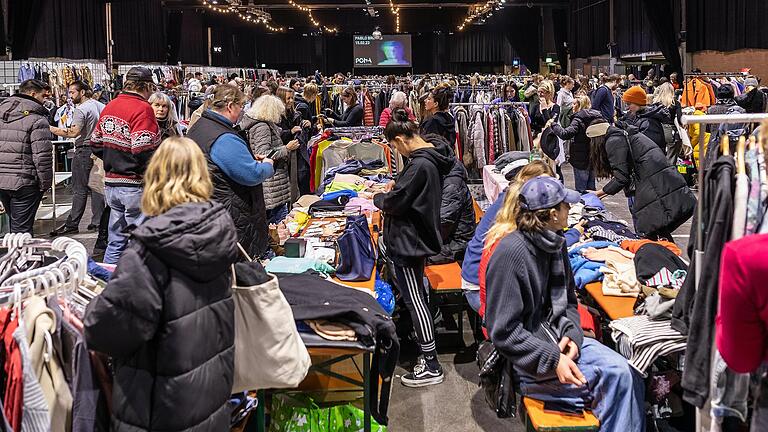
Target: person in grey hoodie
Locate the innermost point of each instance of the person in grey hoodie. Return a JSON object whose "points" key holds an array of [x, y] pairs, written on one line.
{"points": [[26, 163], [532, 318]]}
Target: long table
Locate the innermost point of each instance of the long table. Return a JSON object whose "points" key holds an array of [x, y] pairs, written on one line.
{"points": [[321, 377]]}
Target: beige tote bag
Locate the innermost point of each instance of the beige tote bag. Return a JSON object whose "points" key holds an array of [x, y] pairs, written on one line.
{"points": [[269, 352]]}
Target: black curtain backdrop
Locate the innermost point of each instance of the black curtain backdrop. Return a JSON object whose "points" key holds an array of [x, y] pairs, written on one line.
{"points": [[4, 23], [727, 25], [560, 32], [589, 32], [523, 32], [138, 30], [193, 43], [23, 23], [73, 29], [174, 24], [633, 29], [662, 25]]}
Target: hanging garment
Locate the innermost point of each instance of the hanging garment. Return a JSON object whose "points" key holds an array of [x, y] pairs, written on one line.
{"points": [[695, 307], [478, 137], [39, 324], [35, 416], [14, 378]]}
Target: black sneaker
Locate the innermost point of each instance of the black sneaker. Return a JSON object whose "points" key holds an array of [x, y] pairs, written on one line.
{"points": [[422, 375]]}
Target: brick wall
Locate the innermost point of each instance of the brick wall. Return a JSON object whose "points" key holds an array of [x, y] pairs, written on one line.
{"points": [[733, 61]]}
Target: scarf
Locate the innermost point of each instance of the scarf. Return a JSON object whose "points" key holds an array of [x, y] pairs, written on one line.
{"points": [[552, 243]]}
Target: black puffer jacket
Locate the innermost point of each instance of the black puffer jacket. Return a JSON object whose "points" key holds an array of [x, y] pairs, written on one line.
{"points": [[440, 123], [663, 200], [649, 120], [457, 211], [167, 320], [25, 144], [577, 131]]}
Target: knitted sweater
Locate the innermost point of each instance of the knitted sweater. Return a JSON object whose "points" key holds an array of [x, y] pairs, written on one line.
{"points": [[518, 304], [125, 138]]}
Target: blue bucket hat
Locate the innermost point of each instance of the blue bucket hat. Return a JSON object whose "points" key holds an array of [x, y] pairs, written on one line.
{"points": [[545, 192]]}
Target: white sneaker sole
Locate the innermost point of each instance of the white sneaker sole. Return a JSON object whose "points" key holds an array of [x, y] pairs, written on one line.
{"points": [[422, 382]]}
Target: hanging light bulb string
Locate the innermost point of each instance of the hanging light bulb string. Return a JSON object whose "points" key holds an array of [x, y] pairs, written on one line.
{"points": [[480, 12], [396, 12], [261, 18], [312, 19]]}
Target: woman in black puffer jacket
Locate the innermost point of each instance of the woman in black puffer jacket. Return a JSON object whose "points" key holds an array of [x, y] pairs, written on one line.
{"points": [[657, 195], [167, 315], [583, 175]]}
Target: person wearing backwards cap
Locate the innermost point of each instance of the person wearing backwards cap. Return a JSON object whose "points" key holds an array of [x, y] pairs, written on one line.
{"points": [[532, 318], [647, 119], [125, 138]]}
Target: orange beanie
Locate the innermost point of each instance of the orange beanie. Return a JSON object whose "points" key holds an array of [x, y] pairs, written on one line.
{"points": [[635, 95]]}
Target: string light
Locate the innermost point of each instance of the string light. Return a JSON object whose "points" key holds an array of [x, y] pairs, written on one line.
{"points": [[480, 12], [312, 19], [396, 12], [257, 17]]}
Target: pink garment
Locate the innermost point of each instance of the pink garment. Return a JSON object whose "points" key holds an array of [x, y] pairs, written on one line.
{"points": [[365, 205], [491, 142], [742, 318]]}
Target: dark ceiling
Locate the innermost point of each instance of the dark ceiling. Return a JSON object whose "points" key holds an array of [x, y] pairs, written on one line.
{"points": [[351, 16]]}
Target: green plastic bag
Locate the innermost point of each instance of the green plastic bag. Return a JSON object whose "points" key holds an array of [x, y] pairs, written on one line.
{"points": [[299, 413]]}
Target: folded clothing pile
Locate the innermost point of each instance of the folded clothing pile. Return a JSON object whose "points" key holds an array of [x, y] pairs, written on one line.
{"points": [[642, 341]]}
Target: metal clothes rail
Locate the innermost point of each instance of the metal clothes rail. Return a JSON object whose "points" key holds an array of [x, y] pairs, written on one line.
{"points": [[486, 103]]}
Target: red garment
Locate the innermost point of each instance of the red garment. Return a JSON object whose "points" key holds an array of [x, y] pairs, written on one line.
{"points": [[125, 138], [386, 116], [312, 165], [485, 258], [741, 326], [491, 141], [634, 245], [368, 119], [14, 380]]}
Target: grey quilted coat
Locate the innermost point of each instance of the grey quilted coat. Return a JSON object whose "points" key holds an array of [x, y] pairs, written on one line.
{"points": [[264, 138], [25, 144]]}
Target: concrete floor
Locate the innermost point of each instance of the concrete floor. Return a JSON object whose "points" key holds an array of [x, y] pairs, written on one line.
{"points": [[458, 403]]}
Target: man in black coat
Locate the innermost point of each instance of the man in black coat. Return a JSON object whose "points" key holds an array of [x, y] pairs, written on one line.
{"points": [[647, 118]]}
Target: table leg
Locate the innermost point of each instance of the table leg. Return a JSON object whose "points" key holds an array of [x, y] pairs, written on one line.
{"points": [[366, 392], [261, 411]]}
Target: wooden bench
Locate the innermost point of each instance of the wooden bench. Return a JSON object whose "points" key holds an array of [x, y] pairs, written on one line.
{"points": [[613, 306], [537, 419], [445, 282]]}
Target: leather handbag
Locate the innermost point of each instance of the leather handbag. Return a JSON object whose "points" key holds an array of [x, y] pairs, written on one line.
{"points": [[269, 352], [356, 254], [497, 380]]}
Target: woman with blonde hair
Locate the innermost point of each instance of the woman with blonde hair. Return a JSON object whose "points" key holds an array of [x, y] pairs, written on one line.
{"points": [[307, 103], [545, 109], [265, 137], [398, 100], [475, 259], [583, 117], [177, 330]]}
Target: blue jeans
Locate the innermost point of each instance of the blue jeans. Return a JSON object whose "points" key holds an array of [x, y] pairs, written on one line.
{"points": [[277, 214], [473, 298], [584, 180], [125, 209], [614, 391]]}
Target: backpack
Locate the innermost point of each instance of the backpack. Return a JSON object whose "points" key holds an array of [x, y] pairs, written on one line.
{"points": [[497, 380]]}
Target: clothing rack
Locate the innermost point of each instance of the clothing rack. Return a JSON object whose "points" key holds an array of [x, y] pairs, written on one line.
{"points": [[486, 104], [358, 129], [699, 250], [714, 74]]}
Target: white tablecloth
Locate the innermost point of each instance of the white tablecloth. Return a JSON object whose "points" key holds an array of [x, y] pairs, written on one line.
{"points": [[493, 183]]}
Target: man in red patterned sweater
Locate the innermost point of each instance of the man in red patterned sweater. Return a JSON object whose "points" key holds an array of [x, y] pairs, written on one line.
{"points": [[125, 138]]}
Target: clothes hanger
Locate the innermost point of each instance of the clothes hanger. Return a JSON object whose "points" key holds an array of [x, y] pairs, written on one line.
{"points": [[741, 167], [725, 146]]}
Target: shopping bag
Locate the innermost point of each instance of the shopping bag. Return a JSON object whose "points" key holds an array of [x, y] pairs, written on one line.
{"points": [[350, 419], [357, 256], [269, 352], [299, 413]]}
